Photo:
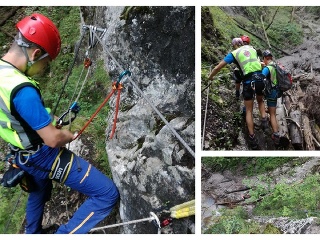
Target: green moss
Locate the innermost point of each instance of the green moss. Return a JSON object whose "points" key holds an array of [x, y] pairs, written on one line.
{"points": [[233, 221], [270, 229], [228, 31], [250, 165], [292, 200], [12, 209], [130, 10]]}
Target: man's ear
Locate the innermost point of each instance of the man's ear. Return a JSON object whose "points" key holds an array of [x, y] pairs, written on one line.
{"points": [[36, 53]]}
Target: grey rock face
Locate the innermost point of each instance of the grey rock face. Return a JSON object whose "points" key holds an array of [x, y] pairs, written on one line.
{"points": [[151, 168], [289, 226]]}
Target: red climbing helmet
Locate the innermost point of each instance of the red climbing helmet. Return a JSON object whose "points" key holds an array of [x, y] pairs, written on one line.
{"points": [[41, 31], [245, 39]]}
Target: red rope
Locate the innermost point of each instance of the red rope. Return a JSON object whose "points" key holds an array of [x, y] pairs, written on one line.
{"points": [[96, 112], [116, 111]]}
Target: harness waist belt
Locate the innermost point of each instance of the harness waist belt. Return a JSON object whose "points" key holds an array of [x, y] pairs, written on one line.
{"points": [[248, 75], [254, 77], [31, 149], [61, 166], [35, 148]]}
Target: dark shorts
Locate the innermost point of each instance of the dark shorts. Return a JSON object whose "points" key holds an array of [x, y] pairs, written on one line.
{"points": [[248, 92], [237, 76], [272, 98]]}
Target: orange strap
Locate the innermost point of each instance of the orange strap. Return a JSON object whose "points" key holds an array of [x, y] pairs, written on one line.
{"points": [[116, 111], [114, 88]]}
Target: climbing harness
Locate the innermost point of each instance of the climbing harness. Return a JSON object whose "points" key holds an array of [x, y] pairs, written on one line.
{"points": [[253, 86], [254, 78], [150, 103], [15, 175], [61, 165]]}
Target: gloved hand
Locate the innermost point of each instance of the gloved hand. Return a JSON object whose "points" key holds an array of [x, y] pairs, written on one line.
{"points": [[12, 177]]}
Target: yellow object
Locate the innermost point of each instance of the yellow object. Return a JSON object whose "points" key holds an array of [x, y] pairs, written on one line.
{"points": [[183, 210], [183, 205]]}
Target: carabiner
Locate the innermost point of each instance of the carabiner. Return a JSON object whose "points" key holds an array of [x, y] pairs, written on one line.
{"points": [[253, 86], [74, 108], [126, 72]]}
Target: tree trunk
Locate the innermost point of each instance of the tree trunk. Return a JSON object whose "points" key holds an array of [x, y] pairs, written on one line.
{"points": [[252, 33], [274, 15], [292, 14], [315, 132], [295, 130], [307, 133], [9, 14], [282, 124]]}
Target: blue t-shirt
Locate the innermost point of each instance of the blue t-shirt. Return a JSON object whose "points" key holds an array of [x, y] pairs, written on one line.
{"points": [[265, 71], [229, 58], [28, 104]]}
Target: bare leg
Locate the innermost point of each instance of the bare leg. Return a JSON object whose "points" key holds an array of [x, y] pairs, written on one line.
{"points": [[273, 120], [237, 86], [261, 106]]}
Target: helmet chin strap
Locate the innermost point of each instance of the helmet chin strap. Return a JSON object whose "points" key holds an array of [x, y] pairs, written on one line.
{"points": [[24, 47]]}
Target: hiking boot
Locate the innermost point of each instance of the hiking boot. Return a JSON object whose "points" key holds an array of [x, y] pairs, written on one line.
{"points": [[264, 123], [253, 142], [276, 138], [50, 229]]}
